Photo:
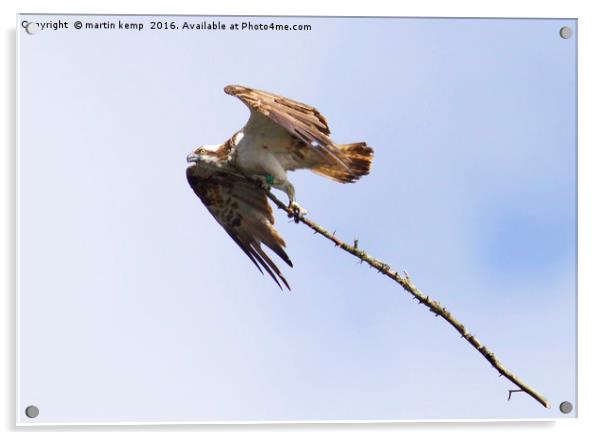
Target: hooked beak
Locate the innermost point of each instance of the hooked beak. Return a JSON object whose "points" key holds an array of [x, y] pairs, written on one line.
{"points": [[192, 158]]}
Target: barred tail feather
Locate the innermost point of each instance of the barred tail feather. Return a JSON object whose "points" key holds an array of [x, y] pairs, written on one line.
{"points": [[358, 158]]}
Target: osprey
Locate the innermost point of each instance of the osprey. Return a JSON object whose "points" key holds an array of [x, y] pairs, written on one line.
{"points": [[281, 135]]}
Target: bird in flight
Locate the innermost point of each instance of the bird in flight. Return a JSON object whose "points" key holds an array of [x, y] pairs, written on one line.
{"points": [[281, 135]]}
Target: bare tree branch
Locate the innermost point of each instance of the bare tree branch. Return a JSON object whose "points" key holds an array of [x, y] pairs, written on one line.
{"points": [[405, 282]]}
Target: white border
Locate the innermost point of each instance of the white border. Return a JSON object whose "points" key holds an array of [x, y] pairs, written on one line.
{"points": [[589, 201], [18, 229], [19, 404]]}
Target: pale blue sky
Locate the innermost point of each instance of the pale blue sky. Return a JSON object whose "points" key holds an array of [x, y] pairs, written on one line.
{"points": [[137, 306]]}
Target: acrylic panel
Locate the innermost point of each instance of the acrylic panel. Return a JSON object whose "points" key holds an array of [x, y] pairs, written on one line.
{"points": [[136, 306]]}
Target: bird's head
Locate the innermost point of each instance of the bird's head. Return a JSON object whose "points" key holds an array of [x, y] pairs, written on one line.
{"points": [[204, 156]]}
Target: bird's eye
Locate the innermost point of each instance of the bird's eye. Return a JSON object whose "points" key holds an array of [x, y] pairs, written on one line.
{"points": [[202, 151]]}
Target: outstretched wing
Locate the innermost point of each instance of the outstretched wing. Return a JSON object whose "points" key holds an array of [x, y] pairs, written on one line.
{"points": [[242, 209], [302, 121]]}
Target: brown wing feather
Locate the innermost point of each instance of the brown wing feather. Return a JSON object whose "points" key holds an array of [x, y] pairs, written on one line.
{"points": [[301, 120], [243, 211]]}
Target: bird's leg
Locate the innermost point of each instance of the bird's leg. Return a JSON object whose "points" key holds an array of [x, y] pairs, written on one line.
{"points": [[298, 211], [267, 181], [275, 175]]}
